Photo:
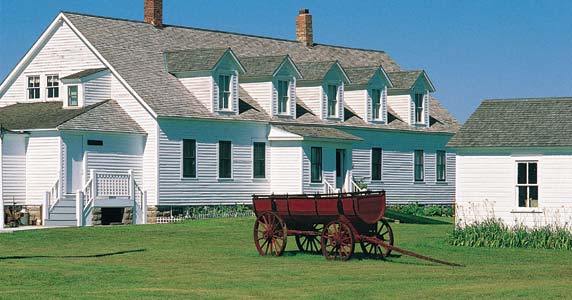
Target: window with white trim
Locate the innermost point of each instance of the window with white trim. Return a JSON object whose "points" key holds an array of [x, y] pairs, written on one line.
{"points": [[34, 87], [376, 104], [189, 158], [419, 167], [259, 159], [418, 101], [224, 159], [376, 163], [283, 97], [224, 92], [332, 92], [73, 97], [527, 183], [441, 167], [53, 86], [316, 164]]}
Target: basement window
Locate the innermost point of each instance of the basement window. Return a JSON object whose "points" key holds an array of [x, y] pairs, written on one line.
{"points": [[94, 142]]}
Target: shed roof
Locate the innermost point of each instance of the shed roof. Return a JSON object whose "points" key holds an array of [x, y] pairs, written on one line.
{"points": [[318, 132], [84, 73]]}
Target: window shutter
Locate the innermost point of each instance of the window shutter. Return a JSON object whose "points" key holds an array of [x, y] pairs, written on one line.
{"points": [[215, 95], [384, 105], [274, 104], [292, 95], [340, 97], [325, 102], [426, 109], [369, 105], [412, 110], [234, 91]]}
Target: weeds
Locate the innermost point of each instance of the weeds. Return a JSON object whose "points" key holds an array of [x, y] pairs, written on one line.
{"points": [[419, 210]]}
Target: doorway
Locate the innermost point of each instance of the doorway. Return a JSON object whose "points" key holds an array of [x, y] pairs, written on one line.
{"points": [[74, 164], [340, 167]]}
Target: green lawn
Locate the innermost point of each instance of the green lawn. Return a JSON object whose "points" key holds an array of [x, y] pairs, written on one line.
{"points": [[216, 259]]}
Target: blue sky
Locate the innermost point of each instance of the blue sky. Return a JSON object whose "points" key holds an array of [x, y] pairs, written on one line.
{"points": [[472, 50]]}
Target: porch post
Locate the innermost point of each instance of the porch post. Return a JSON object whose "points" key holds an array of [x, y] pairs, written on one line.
{"points": [[144, 208], [46, 208], [131, 185], [79, 208]]}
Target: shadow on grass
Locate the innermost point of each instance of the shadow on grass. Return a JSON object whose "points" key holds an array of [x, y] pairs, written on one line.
{"points": [[72, 256], [411, 219], [393, 258]]}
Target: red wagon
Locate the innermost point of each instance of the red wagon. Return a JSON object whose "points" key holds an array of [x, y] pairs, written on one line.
{"points": [[330, 223]]}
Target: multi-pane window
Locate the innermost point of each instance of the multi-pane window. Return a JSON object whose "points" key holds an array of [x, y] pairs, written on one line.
{"points": [[283, 97], [259, 160], [33, 87], [441, 165], [376, 104], [376, 162], [189, 158], [332, 92], [224, 159], [72, 95], [53, 82], [316, 164], [418, 165], [419, 108], [224, 92], [527, 184]]}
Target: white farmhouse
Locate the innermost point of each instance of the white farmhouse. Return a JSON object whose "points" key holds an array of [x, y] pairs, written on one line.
{"points": [[514, 162], [104, 114]]}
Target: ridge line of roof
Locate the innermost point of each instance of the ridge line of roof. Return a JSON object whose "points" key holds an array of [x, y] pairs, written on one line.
{"points": [[527, 99]]}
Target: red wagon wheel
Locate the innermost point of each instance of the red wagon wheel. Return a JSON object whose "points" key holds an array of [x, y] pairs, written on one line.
{"points": [[310, 243], [383, 232], [337, 241], [270, 234]]}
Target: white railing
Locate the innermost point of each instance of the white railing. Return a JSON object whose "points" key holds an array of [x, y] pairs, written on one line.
{"points": [[328, 188], [350, 186], [54, 194]]}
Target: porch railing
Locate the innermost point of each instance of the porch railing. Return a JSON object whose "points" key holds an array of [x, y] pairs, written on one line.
{"points": [[54, 193], [328, 188], [350, 186]]}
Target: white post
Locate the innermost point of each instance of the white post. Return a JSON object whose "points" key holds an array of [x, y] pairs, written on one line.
{"points": [[144, 208], [131, 184], [46, 208], [93, 183], [79, 208]]}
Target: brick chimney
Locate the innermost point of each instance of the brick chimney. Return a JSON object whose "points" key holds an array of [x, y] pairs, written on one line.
{"points": [[154, 12], [304, 31]]}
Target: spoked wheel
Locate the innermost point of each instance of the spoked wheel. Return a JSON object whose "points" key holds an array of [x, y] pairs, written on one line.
{"points": [[310, 243], [383, 232], [337, 241], [270, 234]]}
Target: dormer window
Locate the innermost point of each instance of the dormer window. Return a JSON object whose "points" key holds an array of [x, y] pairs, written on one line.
{"points": [[376, 104], [73, 96], [283, 98], [418, 102], [53, 82], [332, 91], [33, 87], [224, 92]]}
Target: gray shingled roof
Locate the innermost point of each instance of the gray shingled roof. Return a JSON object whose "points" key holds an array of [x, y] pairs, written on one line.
{"points": [[143, 65], [319, 132], [315, 70], [535, 122], [193, 60], [404, 79], [259, 66], [361, 75], [103, 116], [84, 73]]}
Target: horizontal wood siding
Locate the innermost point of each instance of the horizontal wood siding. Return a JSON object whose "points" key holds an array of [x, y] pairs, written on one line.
{"points": [[202, 88], [356, 100], [262, 92], [14, 169], [402, 106], [328, 164], [62, 55], [286, 169], [42, 165], [207, 188], [312, 97], [397, 166], [98, 89]]}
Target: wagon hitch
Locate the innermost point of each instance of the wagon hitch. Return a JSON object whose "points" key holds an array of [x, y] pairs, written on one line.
{"points": [[409, 253]]}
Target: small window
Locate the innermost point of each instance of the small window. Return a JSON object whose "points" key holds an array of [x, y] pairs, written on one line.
{"points": [[259, 160], [316, 164], [376, 162], [332, 93], [224, 159], [527, 184], [419, 108], [224, 92], [72, 95], [53, 86], [283, 97], [418, 166], [33, 87], [189, 158], [94, 142], [376, 104], [441, 165]]}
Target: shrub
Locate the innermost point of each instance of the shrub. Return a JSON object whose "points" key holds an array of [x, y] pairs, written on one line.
{"points": [[419, 210], [494, 233]]}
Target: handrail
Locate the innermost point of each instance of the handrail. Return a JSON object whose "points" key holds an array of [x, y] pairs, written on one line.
{"points": [[328, 188], [54, 193], [355, 187]]}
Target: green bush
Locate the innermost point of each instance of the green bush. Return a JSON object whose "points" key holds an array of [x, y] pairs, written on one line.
{"points": [[494, 233], [419, 210]]}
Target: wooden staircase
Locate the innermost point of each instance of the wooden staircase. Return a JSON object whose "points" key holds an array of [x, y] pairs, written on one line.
{"points": [[63, 213]]}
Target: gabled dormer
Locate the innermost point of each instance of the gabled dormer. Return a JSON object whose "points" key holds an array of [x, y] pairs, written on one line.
{"points": [[85, 88], [271, 81], [367, 94], [410, 95], [210, 74], [322, 88]]}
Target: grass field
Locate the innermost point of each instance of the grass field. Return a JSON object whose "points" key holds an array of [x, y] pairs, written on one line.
{"points": [[216, 259]]}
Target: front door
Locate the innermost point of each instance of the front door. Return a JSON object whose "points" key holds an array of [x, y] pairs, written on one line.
{"points": [[340, 167], [74, 163]]}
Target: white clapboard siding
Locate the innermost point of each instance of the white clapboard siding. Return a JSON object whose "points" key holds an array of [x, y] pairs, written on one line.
{"points": [[202, 88], [98, 89], [234, 92], [402, 106], [340, 98], [383, 105], [292, 95], [358, 101], [264, 93], [63, 54], [207, 188], [114, 162], [324, 103], [42, 165], [426, 108], [286, 169], [14, 169], [312, 97], [136, 111], [328, 167]]}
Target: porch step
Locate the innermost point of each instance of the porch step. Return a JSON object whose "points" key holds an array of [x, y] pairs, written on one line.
{"points": [[61, 223], [63, 213]]}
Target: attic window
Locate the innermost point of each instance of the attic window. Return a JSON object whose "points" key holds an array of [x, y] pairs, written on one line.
{"points": [[33, 87], [283, 98], [224, 92], [332, 100], [376, 104], [419, 108], [94, 142], [53, 86]]}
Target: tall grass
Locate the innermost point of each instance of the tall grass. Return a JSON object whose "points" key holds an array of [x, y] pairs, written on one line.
{"points": [[494, 233]]}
